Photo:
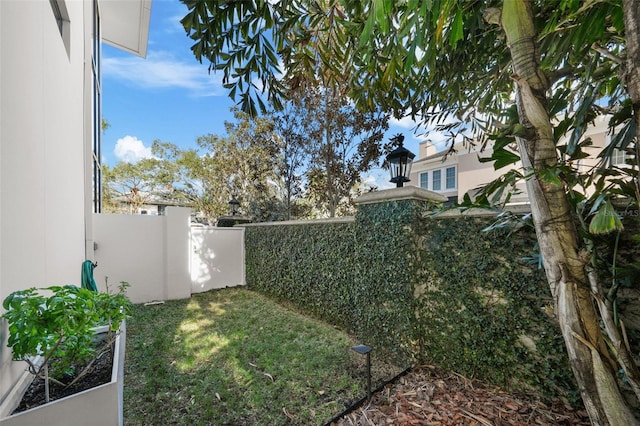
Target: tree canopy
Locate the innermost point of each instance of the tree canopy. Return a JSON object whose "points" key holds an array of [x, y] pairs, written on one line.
{"points": [[340, 143], [241, 164], [522, 72]]}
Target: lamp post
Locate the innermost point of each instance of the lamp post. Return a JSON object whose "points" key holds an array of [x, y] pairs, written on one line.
{"points": [[399, 161], [233, 206]]}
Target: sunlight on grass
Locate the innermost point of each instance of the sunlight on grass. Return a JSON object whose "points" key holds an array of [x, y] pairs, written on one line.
{"points": [[200, 348], [234, 357]]}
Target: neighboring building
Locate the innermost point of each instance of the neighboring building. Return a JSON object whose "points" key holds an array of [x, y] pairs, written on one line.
{"points": [[50, 96], [456, 174], [153, 204]]}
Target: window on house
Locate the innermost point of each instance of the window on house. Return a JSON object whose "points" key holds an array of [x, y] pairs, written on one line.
{"points": [[437, 178], [62, 21], [450, 179], [58, 7], [618, 157], [97, 111], [424, 180]]}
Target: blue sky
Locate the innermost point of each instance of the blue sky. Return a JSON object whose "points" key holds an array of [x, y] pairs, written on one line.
{"points": [[170, 96]]}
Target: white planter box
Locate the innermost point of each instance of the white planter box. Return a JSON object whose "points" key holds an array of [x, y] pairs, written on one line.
{"points": [[97, 406]]}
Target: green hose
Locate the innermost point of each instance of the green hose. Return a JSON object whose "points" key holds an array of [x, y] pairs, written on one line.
{"points": [[87, 275]]}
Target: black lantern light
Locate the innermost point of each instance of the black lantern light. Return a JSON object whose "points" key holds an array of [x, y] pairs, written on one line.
{"points": [[233, 206], [399, 161]]}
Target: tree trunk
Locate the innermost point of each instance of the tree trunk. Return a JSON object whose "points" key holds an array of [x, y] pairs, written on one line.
{"points": [[631, 11], [557, 235]]}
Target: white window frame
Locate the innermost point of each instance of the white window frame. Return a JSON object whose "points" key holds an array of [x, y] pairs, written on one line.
{"points": [[424, 183], [446, 178], [438, 180], [618, 156], [63, 22]]}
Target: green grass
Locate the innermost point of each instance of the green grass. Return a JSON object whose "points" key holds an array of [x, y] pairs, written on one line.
{"points": [[234, 357]]}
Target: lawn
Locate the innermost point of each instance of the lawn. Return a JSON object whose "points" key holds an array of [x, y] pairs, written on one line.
{"points": [[234, 357]]}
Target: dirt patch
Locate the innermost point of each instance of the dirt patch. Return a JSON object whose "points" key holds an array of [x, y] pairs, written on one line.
{"points": [[98, 374], [431, 397]]}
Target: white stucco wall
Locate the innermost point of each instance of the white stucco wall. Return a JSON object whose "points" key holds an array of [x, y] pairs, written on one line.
{"points": [[41, 153], [217, 258], [163, 258], [151, 253]]}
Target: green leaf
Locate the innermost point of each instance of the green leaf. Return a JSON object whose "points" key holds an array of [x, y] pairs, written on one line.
{"points": [[503, 158], [456, 32], [550, 175], [606, 220], [380, 7]]}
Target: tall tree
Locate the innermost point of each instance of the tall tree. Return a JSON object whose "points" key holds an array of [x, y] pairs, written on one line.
{"points": [[342, 143], [135, 184], [294, 155], [240, 164], [523, 70]]}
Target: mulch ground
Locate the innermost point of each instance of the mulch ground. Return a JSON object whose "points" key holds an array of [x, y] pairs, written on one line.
{"points": [[427, 396]]}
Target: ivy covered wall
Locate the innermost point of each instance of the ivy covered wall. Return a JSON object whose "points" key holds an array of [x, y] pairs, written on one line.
{"points": [[419, 288], [483, 311], [307, 265]]}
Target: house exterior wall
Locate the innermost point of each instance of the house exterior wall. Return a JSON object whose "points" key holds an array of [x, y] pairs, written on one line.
{"points": [[42, 163], [472, 174]]}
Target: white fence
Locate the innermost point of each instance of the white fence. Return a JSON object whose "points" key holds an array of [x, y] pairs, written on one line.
{"points": [[217, 258], [163, 258]]}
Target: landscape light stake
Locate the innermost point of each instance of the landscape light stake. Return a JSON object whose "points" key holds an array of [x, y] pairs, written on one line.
{"points": [[365, 350]]}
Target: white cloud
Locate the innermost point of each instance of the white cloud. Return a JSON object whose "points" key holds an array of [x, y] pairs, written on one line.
{"points": [[377, 178], [162, 70], [426, 132], [405, 122], [131, 149], [172, 24]]}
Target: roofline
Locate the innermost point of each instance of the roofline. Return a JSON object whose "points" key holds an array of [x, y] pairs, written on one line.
{"points": [[125, 24]]}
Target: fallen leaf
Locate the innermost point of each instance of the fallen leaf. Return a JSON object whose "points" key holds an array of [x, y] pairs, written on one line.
{"points": [[286, 413]]}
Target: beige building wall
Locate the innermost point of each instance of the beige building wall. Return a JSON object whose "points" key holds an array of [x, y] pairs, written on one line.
{"points": [[46, 142], [472, 174], [42, 221]]}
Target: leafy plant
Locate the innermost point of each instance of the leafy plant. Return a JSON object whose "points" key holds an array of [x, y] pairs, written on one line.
{"points": [[57, 325]]}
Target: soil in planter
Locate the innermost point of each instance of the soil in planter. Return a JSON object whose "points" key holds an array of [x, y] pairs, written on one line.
{"points": [[98, 374]]}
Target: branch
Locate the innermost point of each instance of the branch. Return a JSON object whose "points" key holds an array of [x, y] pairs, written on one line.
{"points": [[617, 339], [607, 54], [556, 75]]}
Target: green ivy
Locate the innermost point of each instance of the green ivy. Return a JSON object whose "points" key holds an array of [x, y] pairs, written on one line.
{"points": [[308, 266], [421, 289]]}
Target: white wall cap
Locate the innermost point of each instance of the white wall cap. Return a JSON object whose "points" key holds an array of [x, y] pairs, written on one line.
{"points": [[404, 193]]}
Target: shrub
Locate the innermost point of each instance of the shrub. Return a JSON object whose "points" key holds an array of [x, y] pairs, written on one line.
{"points": [[58, 324]]}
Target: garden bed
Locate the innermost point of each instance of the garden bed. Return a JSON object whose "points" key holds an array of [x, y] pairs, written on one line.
{"points": [[430, 396], [98, 373]]}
